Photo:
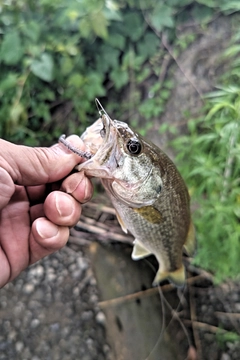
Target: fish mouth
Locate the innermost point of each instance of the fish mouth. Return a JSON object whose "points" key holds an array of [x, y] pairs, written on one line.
{"points": [[100, 140]]}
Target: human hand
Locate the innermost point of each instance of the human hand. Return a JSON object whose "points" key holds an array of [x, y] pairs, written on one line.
{"points": [[38, 202]]}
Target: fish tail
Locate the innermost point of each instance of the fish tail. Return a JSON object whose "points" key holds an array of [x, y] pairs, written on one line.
{"points": [[176, 277]]}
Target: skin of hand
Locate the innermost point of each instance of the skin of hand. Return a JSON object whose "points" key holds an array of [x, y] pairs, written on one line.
{"points": [[39, 200]]}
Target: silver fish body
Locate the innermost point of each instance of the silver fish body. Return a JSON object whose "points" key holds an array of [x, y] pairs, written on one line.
{"points": [[147, 191]]}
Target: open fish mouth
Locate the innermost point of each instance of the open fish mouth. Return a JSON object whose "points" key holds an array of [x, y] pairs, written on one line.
{"points": [[96, 136], [100, 140]]}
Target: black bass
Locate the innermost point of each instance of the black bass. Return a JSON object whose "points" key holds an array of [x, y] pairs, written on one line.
{"points": [[147, 191]]}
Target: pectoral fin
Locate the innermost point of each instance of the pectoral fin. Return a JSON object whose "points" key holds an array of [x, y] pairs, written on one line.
{"points": [[190, 244], [120, 220], [176, 277], [139, 251]]}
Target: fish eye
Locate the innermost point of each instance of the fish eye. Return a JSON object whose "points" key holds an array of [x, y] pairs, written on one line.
{"points": [[134, 147]]}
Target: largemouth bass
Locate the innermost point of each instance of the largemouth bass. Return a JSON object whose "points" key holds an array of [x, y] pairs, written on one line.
{"points": [[147, 191]]}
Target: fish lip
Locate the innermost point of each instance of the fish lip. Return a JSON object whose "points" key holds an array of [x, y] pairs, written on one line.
{"points": [[98, 161]]}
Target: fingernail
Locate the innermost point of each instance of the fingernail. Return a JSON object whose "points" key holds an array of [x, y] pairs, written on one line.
{"points": [[64, 205], [73, 182], [87, 191], [45, 229]]}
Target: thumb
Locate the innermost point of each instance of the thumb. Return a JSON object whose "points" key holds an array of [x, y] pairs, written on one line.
{"points": [[39, 165]]}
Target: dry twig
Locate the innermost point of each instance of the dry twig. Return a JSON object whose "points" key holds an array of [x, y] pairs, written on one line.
{"points": [[142, 294], [193, 319]]}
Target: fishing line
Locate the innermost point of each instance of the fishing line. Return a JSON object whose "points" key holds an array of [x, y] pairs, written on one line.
{"points": [[101, 109], [163, 327], [173, 312]]}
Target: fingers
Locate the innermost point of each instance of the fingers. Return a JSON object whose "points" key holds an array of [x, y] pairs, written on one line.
{"points": [[46, 238], [33, 166], [7, 188], [79, 186], [62, 209]]}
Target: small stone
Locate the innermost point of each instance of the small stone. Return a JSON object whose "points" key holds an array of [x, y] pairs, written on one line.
{"points": [[35, 323], [87, 315], [19, 346], [93, 298], [225, 356], [54, 327], [72, 267], [76, 291], [7, 325], [12, 335], [101, 318], [93, 281], [65, 332], [50, 277], [38, 271], [237, 307], [82, 263], [4, 304], [106, 349], [90, 343], [28, 289], [77, 274]]}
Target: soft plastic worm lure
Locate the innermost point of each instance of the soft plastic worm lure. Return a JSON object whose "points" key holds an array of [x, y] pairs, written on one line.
{"points": [[85, 154]]}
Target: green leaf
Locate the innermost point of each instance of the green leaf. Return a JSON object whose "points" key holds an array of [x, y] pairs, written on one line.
{"points": [[133, 26], [111, 14], [16, 112], [107, 58], [202, 13], [119, 78], [148, 46], [76, 80], [10, 81], [99, 25], [116, 40], [43, 68], [11, 49], [32, 30], [161, 17]]}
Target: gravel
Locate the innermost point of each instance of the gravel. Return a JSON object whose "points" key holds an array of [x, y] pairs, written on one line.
{"points": [[51, 312]]}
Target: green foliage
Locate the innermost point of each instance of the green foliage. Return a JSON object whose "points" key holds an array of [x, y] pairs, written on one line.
{"points": [[210, 159], [57, 56], [47, 65], [224, 337], [210, 162]]}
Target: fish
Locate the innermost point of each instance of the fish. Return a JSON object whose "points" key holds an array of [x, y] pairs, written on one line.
{"points": [[147, 191]]}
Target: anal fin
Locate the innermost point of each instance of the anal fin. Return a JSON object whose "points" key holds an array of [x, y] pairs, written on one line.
{"points": [[139, 251]]}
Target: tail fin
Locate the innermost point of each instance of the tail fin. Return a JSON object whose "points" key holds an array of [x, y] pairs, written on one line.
{"points": [[176, 277]]}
